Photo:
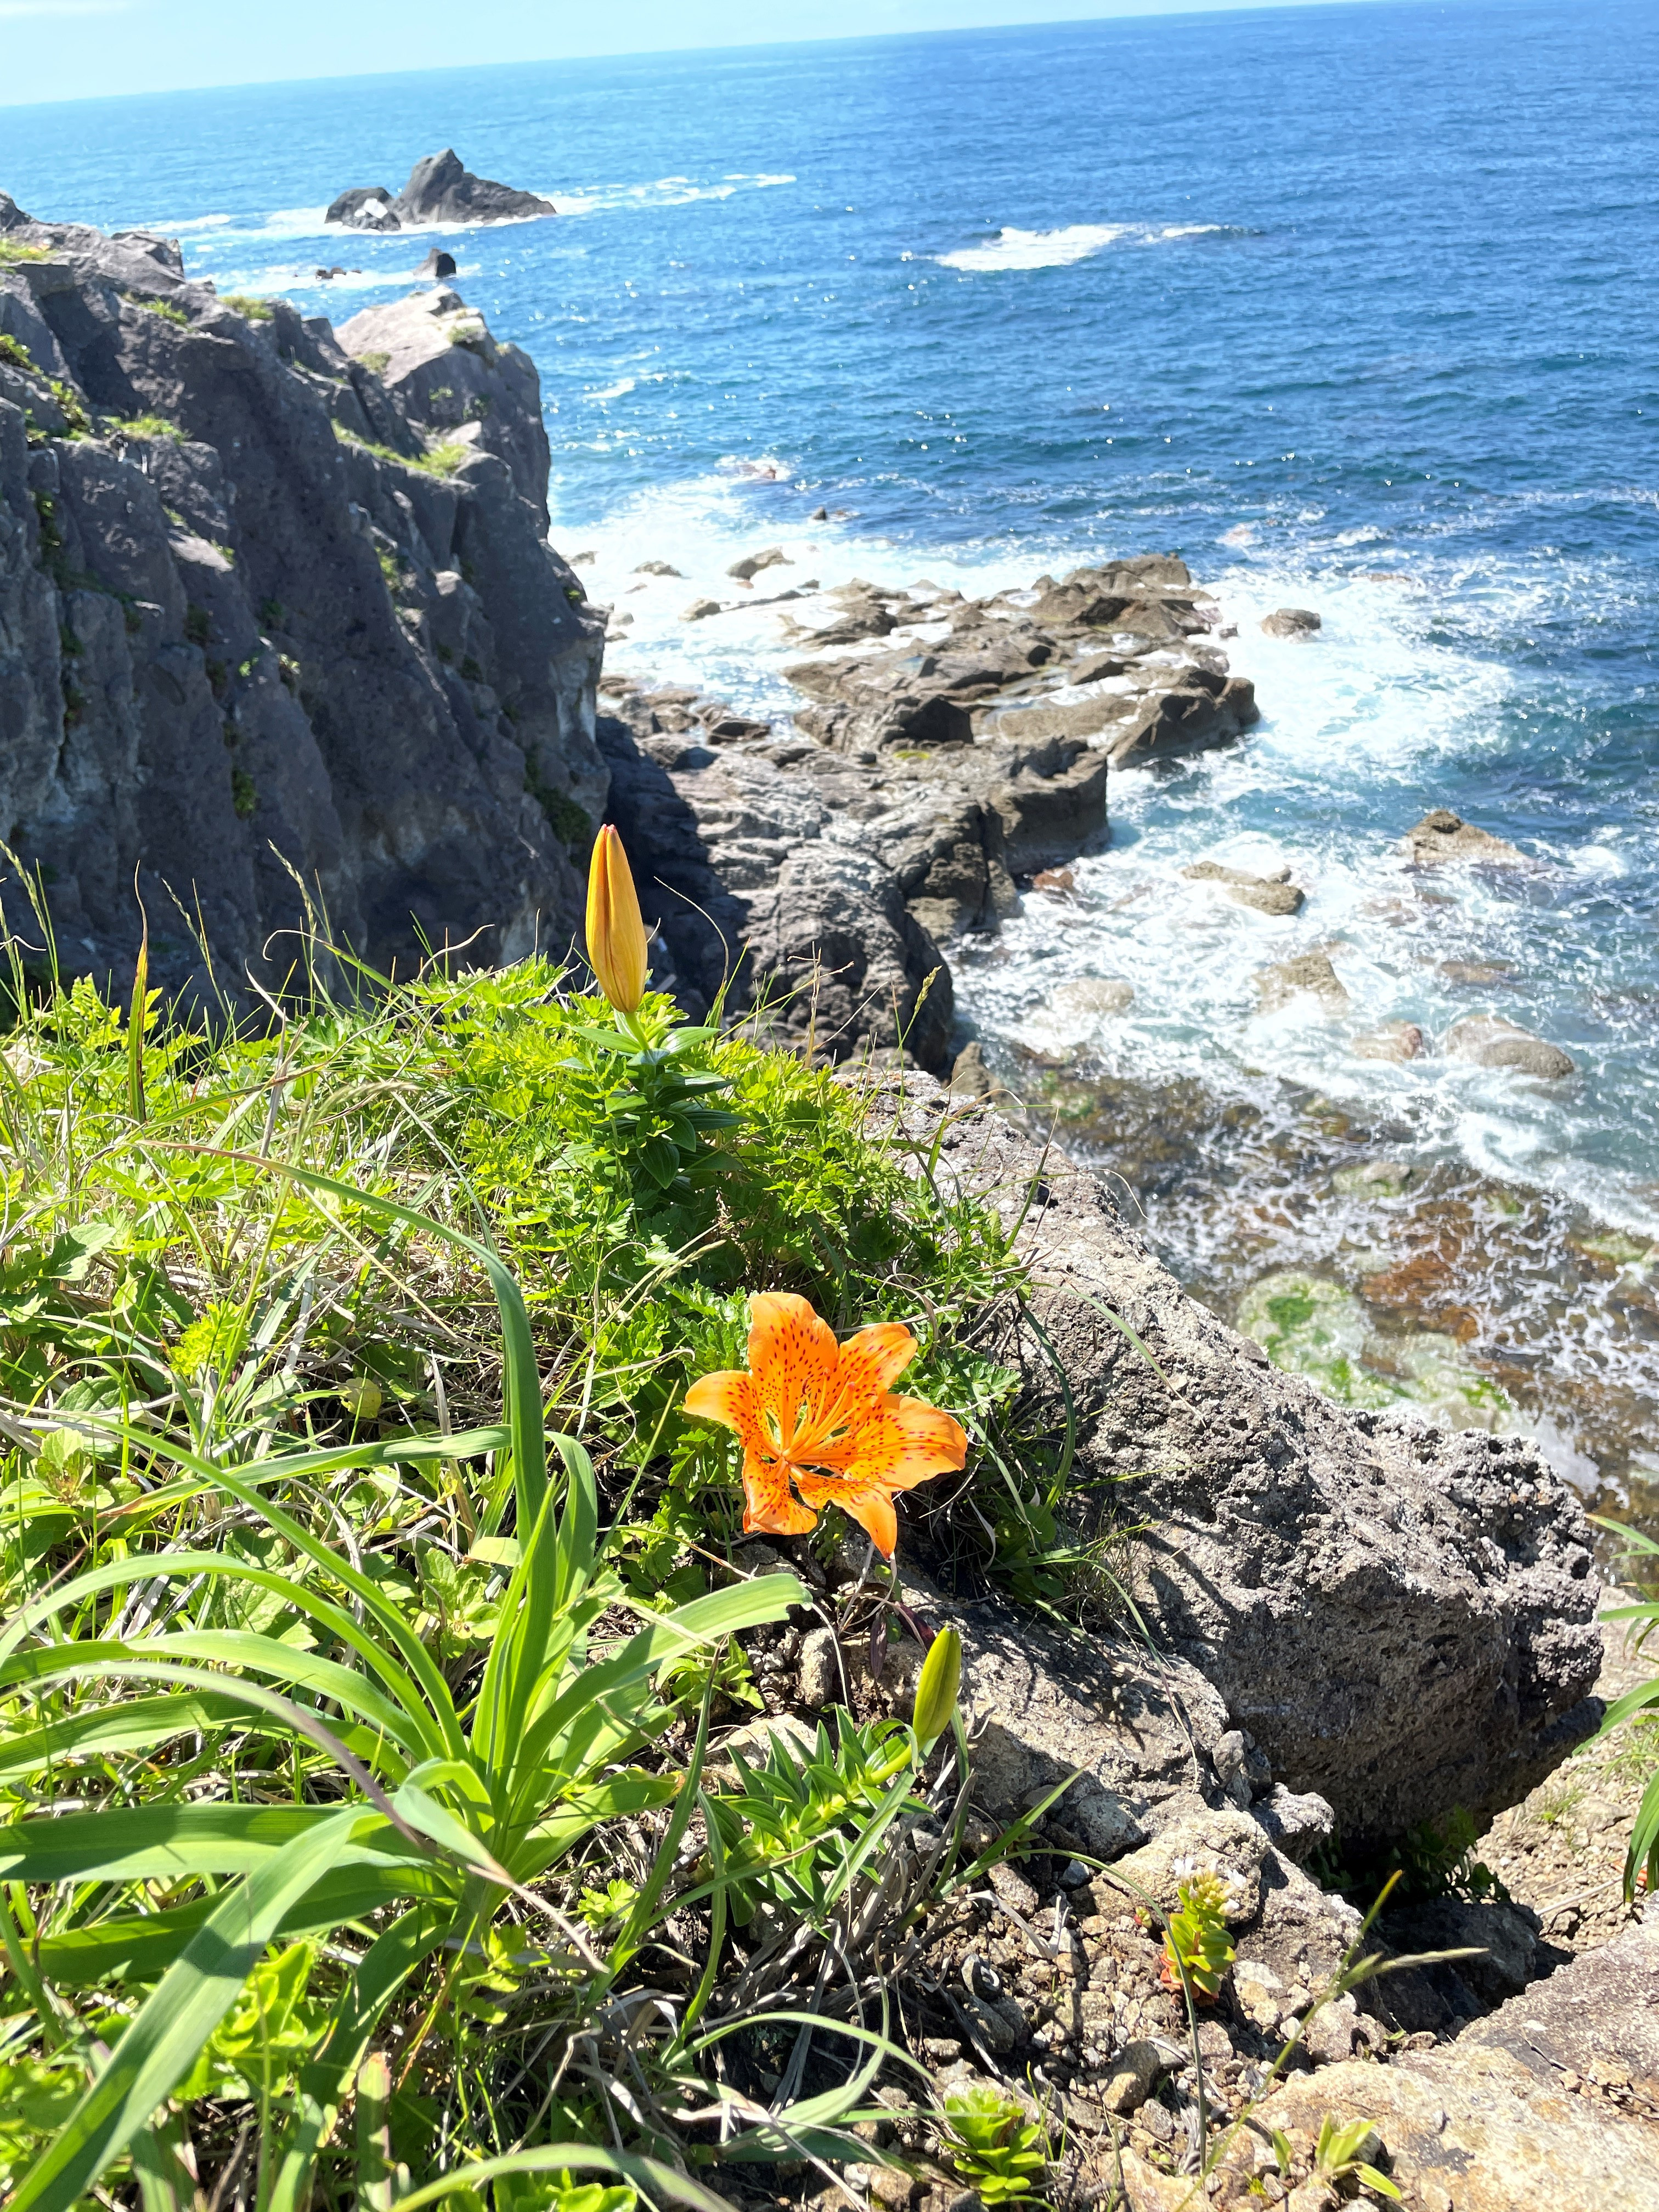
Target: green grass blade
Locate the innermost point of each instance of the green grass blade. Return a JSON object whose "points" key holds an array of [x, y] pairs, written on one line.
{"points": [[324, 2079], [162, 2043], [648, 2176]]}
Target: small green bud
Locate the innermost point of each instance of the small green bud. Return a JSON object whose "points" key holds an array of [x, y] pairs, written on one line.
{"points": [[936, 1687]]}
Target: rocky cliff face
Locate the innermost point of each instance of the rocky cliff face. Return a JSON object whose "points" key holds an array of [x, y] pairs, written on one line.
{"points": [[277, 611]]}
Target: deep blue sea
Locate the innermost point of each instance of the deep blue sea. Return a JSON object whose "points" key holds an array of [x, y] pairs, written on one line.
{"points": [[1353, 306]]}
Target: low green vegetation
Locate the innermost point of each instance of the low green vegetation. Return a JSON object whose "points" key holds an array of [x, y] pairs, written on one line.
{"points": [[376, 363], [439, 461], [13, 251], [369, 1598], [146, 425], [245, 303], [1636, 1717], [16, 355], [169, 310]]}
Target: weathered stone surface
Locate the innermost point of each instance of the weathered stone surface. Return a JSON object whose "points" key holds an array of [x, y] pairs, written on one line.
{"points": [[1595, 2016], [1274, 894], [448, 378], [1403, 1620], [1441, 839], [1489, 1040], [1309, 976], [1393, 1040], [826, 882], [251, 634], [440, 190], [1290, 621], [1474, 2130]]}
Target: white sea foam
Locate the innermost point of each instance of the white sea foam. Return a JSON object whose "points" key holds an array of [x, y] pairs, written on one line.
{"points": [[1013, 248], [1037, 249], [618, 391]]}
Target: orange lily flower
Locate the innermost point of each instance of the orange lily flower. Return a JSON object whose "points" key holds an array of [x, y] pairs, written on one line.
{"points": [[819, 1425], [616, 942]]}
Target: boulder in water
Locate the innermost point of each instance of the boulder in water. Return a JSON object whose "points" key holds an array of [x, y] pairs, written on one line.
{"points": [[437, 264], [1290, 621], [440, 190], [1273, 894], [1489, 1040], [365, 207], [1442, 838], [1310, 975]]}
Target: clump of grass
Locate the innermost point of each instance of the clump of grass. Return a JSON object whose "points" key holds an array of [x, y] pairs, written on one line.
{"points": [[245, 303], [376, 363], [244, 794], [440, 461], [16, 355], [169, 310], [1636, 1713], [146, 425], [13, 251]]}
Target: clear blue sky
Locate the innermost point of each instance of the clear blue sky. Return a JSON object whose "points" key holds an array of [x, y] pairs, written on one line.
{"points": [[80, 49]]}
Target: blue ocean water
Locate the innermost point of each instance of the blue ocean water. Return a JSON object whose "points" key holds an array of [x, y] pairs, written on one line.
{"points": [[1353, 306]]}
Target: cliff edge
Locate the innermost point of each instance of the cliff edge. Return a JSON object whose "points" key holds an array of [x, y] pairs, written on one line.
{"points": [[267, 613]]}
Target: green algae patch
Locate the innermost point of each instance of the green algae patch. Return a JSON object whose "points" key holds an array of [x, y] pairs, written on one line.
{"points": [[1312, 1325]]}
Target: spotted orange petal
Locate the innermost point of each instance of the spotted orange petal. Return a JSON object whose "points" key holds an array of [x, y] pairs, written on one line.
{"points": [[792, 1357], [903, 1442], [872, 1361], [728, 1398], [768, 1502]]}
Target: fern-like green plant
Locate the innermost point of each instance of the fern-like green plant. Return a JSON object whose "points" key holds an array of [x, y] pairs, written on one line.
{"points": [[1197, 1951]]}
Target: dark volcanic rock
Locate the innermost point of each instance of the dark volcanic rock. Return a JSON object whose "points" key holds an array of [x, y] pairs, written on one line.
{"points": [[787, 862], [1403, 1620], [437, 264], [440, 190], [269, 639], [365, 207]]}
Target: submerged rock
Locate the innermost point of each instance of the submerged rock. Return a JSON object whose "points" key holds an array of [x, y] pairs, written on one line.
{"points": [[1489, 1040], [1441, 839], [1393, 1040], [1274, 894], [1290, 621], [1310, 975]]}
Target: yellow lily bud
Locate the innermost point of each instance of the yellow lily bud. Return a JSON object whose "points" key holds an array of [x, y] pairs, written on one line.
{"points": [[936, 1687], [616, 929]]}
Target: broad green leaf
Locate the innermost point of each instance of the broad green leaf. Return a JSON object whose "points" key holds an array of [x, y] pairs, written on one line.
{"points": [[176, 1843]]}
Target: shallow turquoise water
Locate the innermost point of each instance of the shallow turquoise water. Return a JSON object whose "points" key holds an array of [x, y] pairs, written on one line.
{"points": [[1351, 307]]}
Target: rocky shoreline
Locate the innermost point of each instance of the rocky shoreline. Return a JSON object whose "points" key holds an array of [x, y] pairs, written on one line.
{"points": [[279, 620]]}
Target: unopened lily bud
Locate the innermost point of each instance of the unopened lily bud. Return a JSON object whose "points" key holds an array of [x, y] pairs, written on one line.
{"points": [[616, 940], [936, 1686]]}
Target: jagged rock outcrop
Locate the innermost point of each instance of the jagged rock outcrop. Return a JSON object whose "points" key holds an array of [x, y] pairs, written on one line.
{"points": [[1109, 657], [440, 190], [261, 612], [1402, 1619], [821, 869], [825, 884]]}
